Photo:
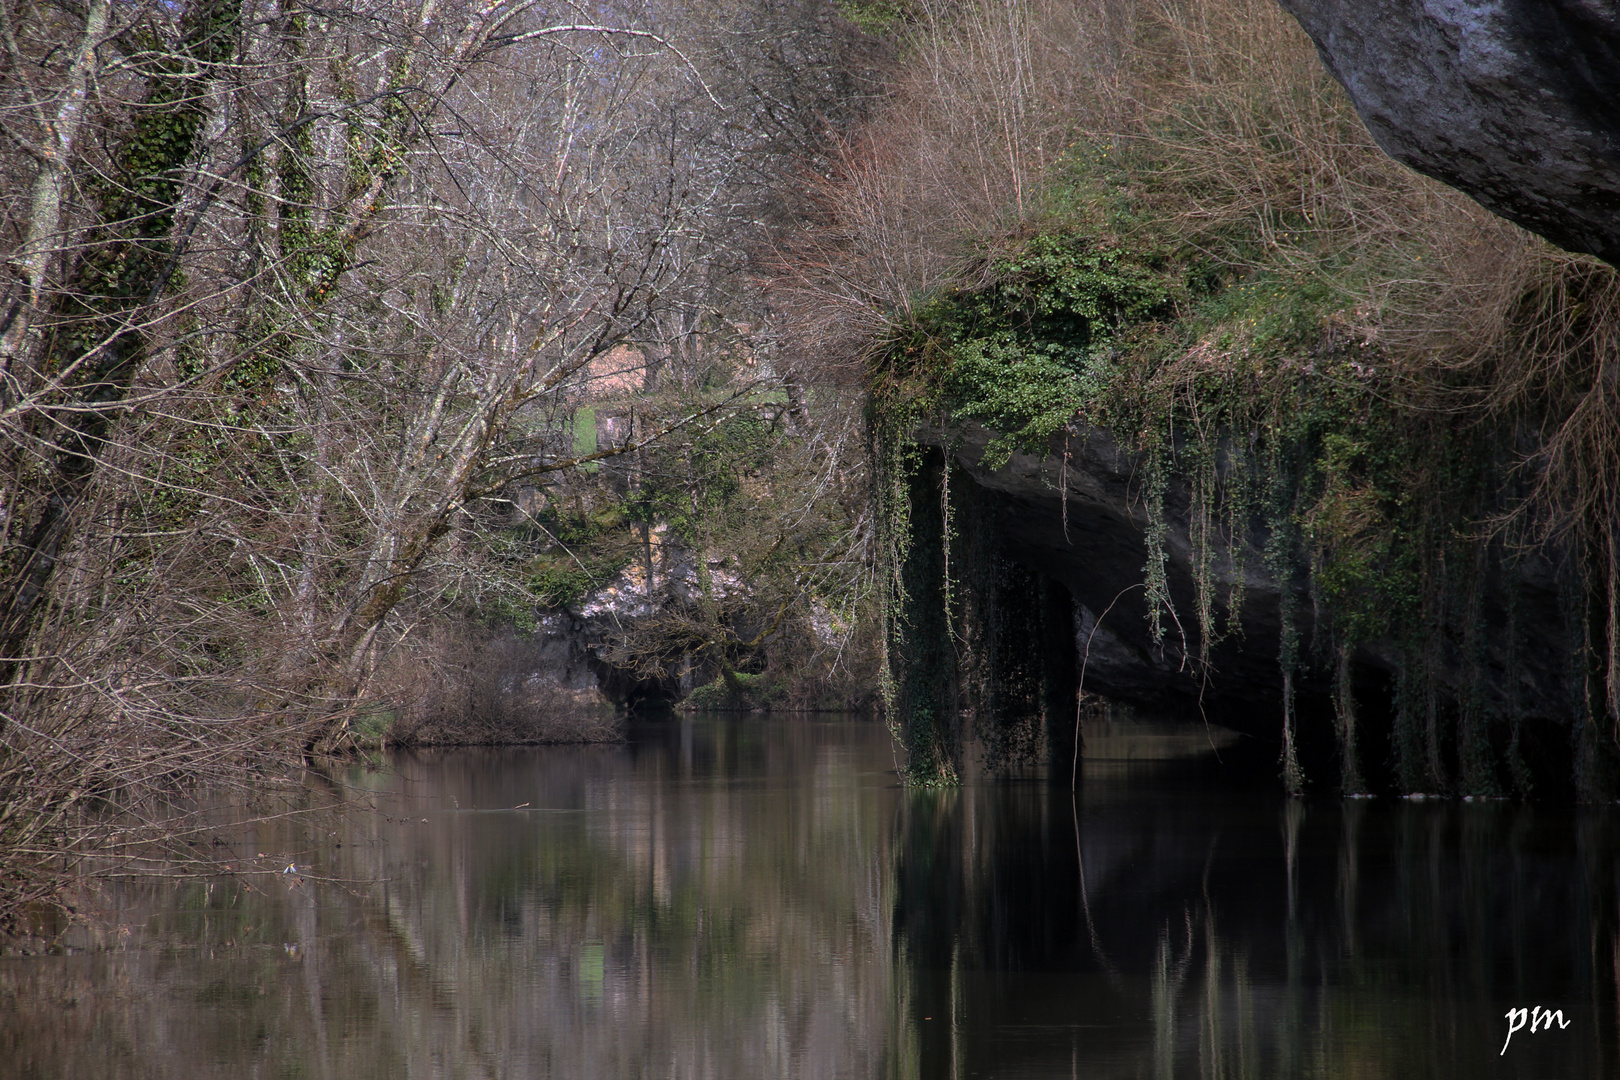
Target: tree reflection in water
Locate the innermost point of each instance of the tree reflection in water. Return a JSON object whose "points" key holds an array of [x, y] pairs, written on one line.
{"points": [[741, 898]]}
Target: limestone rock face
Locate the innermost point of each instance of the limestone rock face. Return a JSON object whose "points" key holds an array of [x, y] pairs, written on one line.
{"points": [[1515, 102], [1098, 550]]}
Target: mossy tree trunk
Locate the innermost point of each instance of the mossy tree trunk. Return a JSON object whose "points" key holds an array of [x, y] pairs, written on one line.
{"points": [[71, 383], [1351, 780]]}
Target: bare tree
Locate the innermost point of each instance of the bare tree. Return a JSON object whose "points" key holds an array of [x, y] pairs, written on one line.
{"points": [[292, 292]]}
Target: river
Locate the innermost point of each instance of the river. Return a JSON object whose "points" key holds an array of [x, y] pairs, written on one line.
{"points": [[741, 898]]}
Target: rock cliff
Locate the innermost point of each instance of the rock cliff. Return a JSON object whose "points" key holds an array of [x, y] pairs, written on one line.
{"points": [[1097, 550], [1516, 102]]}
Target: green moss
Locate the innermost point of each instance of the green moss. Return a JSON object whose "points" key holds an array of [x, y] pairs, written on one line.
{"points": [[879, 17], [580, 552]]}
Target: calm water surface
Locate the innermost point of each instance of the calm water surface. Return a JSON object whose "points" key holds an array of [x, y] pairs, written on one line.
{"points": [[748, 899]]}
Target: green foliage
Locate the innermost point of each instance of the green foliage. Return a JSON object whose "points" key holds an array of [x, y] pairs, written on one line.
{"points": [[1024, 392], [1274, 313], [1025, 354], [713, 480], [1357, 527], [879, 17], [558, 581], [579, 552], [738, 690], [370, 728]]}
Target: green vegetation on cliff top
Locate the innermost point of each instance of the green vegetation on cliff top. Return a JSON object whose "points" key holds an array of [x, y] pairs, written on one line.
{"points": [[1213, 262]]}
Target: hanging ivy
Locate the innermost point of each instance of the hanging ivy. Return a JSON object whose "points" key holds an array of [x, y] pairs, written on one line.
{"points": [[1375, 506]]}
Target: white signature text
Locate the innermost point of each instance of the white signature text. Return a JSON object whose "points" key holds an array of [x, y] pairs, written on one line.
{"points": [[1538, 1018]]}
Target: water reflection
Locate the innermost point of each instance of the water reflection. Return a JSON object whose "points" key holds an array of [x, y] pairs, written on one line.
{"points": [[1161, 924], [748, 899]]}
